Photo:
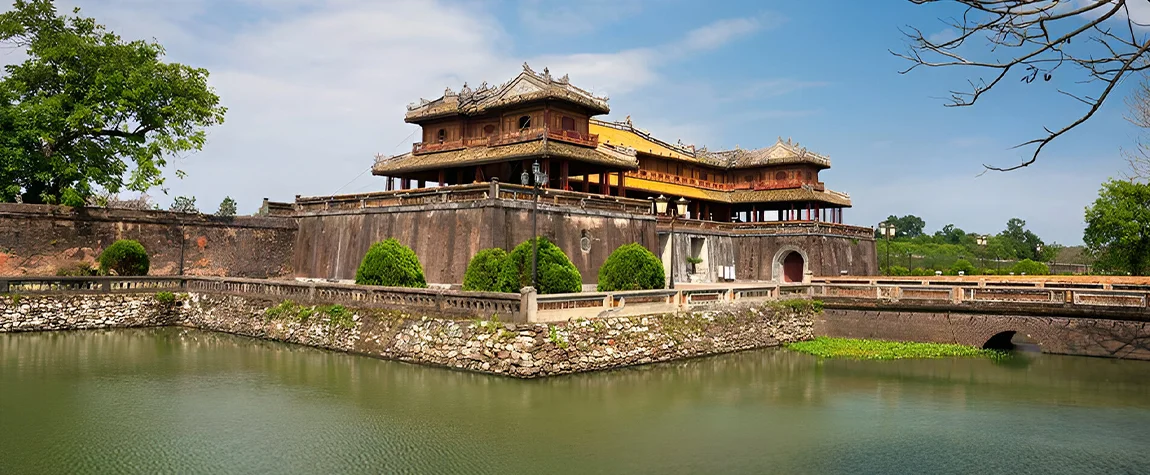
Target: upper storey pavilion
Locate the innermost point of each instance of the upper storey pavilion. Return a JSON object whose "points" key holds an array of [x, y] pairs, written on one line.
{"points": [[488, 133]]}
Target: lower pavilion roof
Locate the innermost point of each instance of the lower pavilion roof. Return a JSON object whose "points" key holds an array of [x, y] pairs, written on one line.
{"points": [[801, 194], [470, 156]]}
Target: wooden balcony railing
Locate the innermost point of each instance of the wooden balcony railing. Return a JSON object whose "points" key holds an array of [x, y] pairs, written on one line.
{"points": [[527, 135]]}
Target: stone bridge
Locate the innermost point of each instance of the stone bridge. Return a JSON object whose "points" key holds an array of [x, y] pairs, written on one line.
{"points": [[1106, 323]]}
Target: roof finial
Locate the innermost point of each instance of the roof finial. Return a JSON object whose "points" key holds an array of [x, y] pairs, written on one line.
{"points": [[546, 73]]}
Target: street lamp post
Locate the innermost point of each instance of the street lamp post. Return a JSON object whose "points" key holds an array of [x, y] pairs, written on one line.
{"points": [[679, 211], [887, 230], [525, 178], [981, 240]]}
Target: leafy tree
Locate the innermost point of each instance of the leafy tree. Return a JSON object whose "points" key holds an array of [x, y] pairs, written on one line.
{"points": [[391, 264], [1118, 227], [1023, 243], [88, 109], [125, 257], [909, 226], [227, 207], [184, 204], [631, 267]]}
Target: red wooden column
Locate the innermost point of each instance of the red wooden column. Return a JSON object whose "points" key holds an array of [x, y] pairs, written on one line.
{"points": [[403, 183], [623, 183], [563, 175], [754, 216], [586, 182], [604, 185], [442, 176], [546, 165]]}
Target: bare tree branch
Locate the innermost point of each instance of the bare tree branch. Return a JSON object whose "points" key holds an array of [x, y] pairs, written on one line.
{"points": [[1032, 39]]}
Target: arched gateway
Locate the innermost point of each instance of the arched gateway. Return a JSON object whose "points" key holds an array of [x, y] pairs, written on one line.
{"points": [[790, 265]]}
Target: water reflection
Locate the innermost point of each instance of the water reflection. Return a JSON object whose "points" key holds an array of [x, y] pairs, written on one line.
{"points": [[175, 399]]}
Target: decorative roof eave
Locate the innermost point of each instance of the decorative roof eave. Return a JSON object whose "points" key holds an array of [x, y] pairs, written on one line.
{"points": [[528, 86], [781, 153], [804, 193]]}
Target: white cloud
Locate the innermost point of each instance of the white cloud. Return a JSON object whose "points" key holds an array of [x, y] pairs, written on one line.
{"points": [[719, 33], [316, 88], [574, 18]]}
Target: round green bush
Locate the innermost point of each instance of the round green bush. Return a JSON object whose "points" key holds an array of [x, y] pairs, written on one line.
{"points": [[631, 267], [557, 275], [962, 265], [125, 257], [485, 270], [390, 264], [1030, 268]]}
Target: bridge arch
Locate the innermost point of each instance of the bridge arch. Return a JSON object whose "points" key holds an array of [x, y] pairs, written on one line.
{"points": [[1000, 341], [790, 258]]}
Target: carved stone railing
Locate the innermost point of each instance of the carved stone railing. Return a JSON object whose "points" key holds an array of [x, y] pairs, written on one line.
{"points": [[587, 305], [471, 193], [45, 285], [438, 302]]}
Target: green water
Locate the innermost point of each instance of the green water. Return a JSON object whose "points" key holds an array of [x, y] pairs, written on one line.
{"points": [[180, 401]]}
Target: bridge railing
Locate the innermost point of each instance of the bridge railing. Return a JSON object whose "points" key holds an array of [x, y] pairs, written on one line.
{"points": [[988, 294]]}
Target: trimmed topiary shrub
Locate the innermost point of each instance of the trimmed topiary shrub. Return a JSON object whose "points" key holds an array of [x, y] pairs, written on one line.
{"points": [[631, 267], [484, 272], [1030, 268], [557, 275], [390, 264], [124, 257]]}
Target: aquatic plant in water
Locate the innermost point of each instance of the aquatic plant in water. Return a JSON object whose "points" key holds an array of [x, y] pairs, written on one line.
{"points": [[825, 347]]}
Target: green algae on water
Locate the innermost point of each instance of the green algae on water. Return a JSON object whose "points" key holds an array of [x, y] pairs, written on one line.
{"points": [[850, 348]]}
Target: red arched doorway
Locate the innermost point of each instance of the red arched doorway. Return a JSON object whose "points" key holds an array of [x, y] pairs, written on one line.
{"points": [[793, 267]]}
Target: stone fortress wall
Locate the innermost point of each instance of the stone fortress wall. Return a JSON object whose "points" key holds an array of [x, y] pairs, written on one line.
{"points": [[39, 239]]}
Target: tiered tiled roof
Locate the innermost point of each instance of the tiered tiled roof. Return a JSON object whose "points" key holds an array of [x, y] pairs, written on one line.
{"points": [[782, 152], [526, 87]]}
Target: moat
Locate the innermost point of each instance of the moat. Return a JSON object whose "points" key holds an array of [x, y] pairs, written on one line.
{"points": [[170, 400]]}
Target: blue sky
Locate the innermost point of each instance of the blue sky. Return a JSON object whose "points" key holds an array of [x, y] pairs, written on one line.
{"points": [[316, 88]]}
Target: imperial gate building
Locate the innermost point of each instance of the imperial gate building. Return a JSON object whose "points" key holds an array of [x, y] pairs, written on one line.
{"points": [[753, 215]]}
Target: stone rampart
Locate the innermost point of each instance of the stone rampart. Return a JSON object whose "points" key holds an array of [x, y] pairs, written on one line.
{"points": [[39, 239], [510, 349]]}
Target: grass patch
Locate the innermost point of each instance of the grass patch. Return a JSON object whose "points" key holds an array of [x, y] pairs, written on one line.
{"points": [[798, 305], [337, 315], [166, 298], [850, 348]]}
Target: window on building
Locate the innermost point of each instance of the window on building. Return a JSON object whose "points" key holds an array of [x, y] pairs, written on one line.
{"points": [[780, 176], [568, 123], [808, 176], [489, 130], [525, 122], [441, 135]]}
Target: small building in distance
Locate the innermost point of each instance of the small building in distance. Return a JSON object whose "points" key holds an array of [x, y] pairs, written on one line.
{"points": [[758, 214]]}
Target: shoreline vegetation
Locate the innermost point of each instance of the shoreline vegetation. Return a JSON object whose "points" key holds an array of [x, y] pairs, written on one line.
{"points": [[850, 348]]}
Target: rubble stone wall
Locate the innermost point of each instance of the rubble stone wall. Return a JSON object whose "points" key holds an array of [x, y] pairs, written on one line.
{"points": [[516, 350]]}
